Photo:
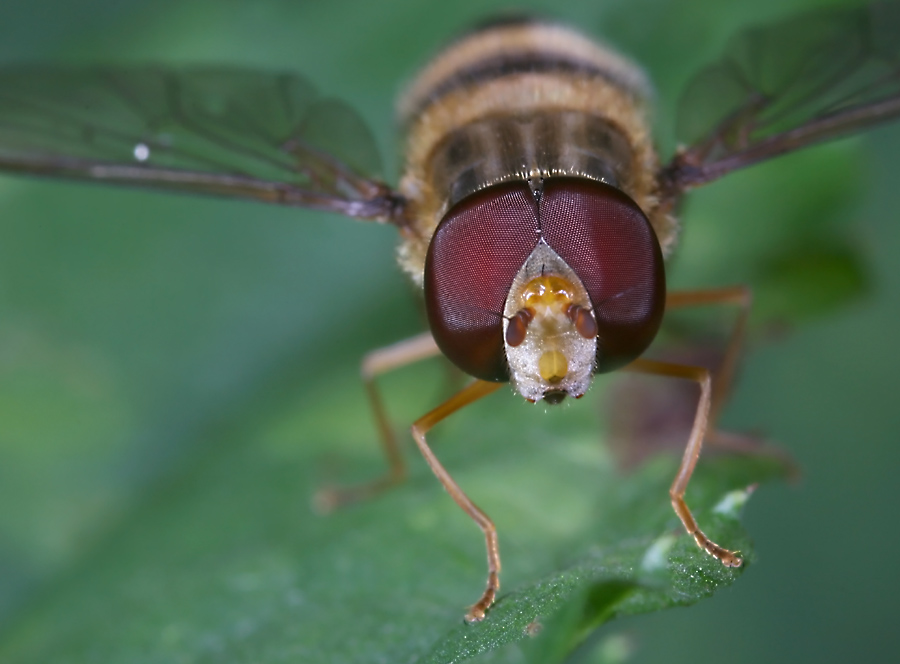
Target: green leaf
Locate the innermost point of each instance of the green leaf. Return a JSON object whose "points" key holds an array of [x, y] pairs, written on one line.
{"points": [[228, 564], [572, 624]]}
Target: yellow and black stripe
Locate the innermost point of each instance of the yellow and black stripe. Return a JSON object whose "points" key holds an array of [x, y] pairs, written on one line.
{"points": [[523, 99]]}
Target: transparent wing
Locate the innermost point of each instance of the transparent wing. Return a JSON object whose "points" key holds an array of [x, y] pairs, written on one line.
{"points": [[211, 130], [783, 87]]}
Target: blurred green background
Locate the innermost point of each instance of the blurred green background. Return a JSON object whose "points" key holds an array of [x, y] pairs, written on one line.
{"points": [[140, 334]]}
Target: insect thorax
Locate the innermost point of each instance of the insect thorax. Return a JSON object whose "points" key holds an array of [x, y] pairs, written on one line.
{"points": [[529, 146]]}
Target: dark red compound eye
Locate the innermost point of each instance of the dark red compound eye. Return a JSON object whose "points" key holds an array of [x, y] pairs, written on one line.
{"points": [[484, 240], [605, 238], [475, 254]]}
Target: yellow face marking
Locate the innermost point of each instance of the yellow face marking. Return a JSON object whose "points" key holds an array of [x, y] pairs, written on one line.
{"points": [[549, 292], [553, 366]]}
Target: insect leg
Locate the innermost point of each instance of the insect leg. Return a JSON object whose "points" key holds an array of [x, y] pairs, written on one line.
{"points": [[421, 426], [374, 364], [724, 377], [691, 452]]}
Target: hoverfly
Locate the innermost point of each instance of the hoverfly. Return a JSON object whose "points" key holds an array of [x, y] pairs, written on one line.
{"points": [[533, 209]]}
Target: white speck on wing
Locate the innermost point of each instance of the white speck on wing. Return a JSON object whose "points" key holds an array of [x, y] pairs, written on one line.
{"points": [[141, 152]]}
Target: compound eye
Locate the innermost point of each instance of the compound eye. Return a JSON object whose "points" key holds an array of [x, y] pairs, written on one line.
{"points": [[475, 254], [607, 240]]}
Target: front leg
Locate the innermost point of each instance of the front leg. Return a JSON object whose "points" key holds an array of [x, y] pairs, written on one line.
{"points": [[470, 394]]}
